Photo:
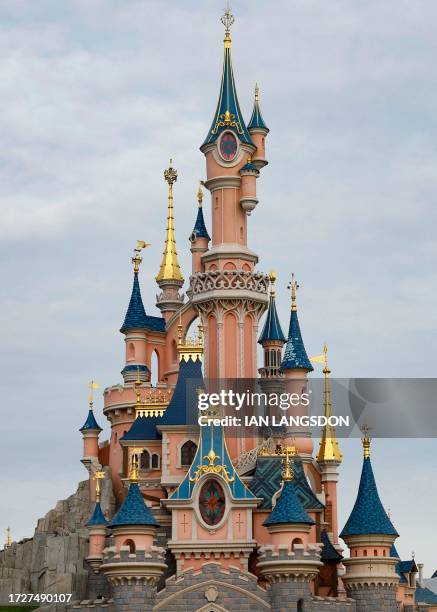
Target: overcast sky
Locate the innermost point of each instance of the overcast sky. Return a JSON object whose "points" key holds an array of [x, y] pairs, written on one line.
{"points": [[98, 94]]}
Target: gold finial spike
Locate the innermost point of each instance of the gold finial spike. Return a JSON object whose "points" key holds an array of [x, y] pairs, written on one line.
{"points": [[170, 269], [294, 287], [329, 450], [272, 279], [180, 330], [98, 476], [227, 20], [133, 472], [256, 93], [366, 440], [287, 466], [137, 386], [8, 541], [93, 385], [200, 195], [136, 258]]}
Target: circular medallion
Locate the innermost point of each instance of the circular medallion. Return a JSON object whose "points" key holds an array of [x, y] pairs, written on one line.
{"points": [[228, 146], [212, 502]]}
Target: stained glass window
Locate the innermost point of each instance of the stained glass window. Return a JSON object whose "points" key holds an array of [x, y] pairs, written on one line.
{"points": [[212, 502], [228, 146]]}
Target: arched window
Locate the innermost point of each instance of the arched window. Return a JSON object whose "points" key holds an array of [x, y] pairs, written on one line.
{"points": [[300, 605], [154, 367], [131, 545], [294, 542], [188, 452], [130, 351], [365, 553], [145, 460], [375, 553], [155, 461]]}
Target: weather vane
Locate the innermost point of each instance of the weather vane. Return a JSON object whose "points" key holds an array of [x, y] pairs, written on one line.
{"points": [[171, 174], [137, 259], [294, 287], [93, 386], [227, 19]]}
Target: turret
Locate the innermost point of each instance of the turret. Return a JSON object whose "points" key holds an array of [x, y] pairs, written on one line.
{"points": [[290, 563], [97, 529], [90, 431], [329, 456], [371, 577], [199, 237], [258, 131], [272, 337], [169, 277]]}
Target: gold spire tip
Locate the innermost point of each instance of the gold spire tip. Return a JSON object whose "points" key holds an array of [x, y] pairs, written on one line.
{"points": [[287, 466], [8, 540], [294, 287], [256, 92], [366, 440], [133, 472], [227, 20], [98, 476], [169, 268], [170, 174], [200, 194], [93, 385], [136, 258]]}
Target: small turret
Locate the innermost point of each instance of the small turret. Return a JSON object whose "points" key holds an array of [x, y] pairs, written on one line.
{"points": [[295, 356], [258, 130], [169, 277], [272, 337], [199, 237], [97, 529], [90, 430], [249, 173]]}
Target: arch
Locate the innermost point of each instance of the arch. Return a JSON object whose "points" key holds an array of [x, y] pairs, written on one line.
{"points": [[300, 607], [131, 545], [145, 460], [230, 342], [229, 265], [212, 268], [375, 553], [155, 461], [154, 367], [174, 351], [295, 541], [213, 371], [130, 351], [246, 267], [365, 553], [188, 452], [248, 347]]}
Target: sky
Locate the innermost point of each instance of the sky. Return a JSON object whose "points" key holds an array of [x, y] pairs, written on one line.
{"points": [[97, 95]]}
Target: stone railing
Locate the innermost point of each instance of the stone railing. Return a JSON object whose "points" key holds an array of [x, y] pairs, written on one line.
{"points": [[202, 282]]}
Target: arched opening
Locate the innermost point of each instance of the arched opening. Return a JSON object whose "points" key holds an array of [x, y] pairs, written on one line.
{"points": [[294, 542], [300, 605], [115, 437], [375, 553], [188, 452], [174, 351], [229, 265], [212, 268], [154, 367], [131, 351], [365, 553], [246, 267], [230, 342], [131, 545], [145, 460], [155, 461]]}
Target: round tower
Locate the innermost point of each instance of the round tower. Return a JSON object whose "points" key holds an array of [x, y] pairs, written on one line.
{"points": [[90, 431], [272, 337], [258, 131], [97, 529], [199, 237]]}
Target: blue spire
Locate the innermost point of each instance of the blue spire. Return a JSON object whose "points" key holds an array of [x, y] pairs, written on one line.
{"points": [[182, 409], [272, 329], [295, 356], [97, 517], [90, 423], [136, 317], [199, 229], [256, 120], [228, 114], [368, 515], [133, 510], [288, 509], [143, 428]]}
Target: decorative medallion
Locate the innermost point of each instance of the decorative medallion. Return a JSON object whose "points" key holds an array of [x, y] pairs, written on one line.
{"points": [[228, 146], [212, 502]]}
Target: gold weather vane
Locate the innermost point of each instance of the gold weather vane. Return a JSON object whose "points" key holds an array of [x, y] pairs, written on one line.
{"points": [[294, 287], [329, 449], [272, 279], [256, 93], [98, 476], [170, 269], [228, 20], [93, 386], [200, 194], [366, 440], [133, 472], [137, 259]]}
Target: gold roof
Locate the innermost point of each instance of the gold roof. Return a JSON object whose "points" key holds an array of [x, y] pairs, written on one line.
{"points": [[329, 448], [170, 269]]}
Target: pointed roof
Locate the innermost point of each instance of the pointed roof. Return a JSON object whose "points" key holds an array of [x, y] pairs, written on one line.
{"points": [[368, 515], [425, 595], [97, 517], [136, 317], [133, 510], [170, 268], [143, 428], [295, 355], [329, 553], [393, 552], [256, 120], [182, 409], [199, 229], [288, 509], [228, 115], [90, 423], [272, 329]]}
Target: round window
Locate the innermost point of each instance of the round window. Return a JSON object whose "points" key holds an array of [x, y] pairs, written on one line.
{"points": [[228, 146], [212, 502]]}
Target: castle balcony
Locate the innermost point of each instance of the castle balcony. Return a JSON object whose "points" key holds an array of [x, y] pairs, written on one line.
{"points": [[229, 284]]}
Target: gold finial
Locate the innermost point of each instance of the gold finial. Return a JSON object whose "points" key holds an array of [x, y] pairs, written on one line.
{"points": [[294, 287], [133, 473], [190, 346], [287, 466], [8, 541], [227, 20], [256, 93], [93, 385], [137, 259], [366, 440], [200, 194], [272, 279], [180, 330], [329, 448], [170, 269], [249, 159], [98, 476]]}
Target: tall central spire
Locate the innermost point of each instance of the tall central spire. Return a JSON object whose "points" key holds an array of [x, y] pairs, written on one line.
{"points": [[170, 269], [228, 114]]}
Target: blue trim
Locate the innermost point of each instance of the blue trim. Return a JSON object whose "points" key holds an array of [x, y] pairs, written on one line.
{"points": [[256, 120], [136, 317], [90, 423], [97, 517], [368, 515], [288, 509], [272, 329], [133, 510], [199, 229], [295, 355], [228, 101], [143, 428]]}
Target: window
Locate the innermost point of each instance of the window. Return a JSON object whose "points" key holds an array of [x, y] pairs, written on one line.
{"points": [[145, 460], [131, 545], [155, 461], [365, 553], [294, 542], [375, 553], [131, 351], [188, 452]]}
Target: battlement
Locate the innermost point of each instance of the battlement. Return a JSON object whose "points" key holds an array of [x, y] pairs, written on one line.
{"points": [[140, 567], [283, 553]]}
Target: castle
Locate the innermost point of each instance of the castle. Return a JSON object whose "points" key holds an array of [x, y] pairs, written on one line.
{"points": [[207, 521]]}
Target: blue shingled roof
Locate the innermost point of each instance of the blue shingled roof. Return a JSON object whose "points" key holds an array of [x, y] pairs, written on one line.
{"points": [[288, 508], [249, 166], [272, 329], [425, 595], [256, 120], [368, 515], [143, 428], [228, 101], [182, 409], [329, 553], [199, 229], [90, 422], [393, 552], [136, 317], [135, 368], [97, 517], [133, 510], [295, 356]]}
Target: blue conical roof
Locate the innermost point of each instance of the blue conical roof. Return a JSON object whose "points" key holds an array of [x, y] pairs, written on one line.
{"points": [[295, 356], [368, 515], [272, 329], [136, 317], [143, 428], [228, 101], [90, 422], [97, 517], [256, 120], [182, 409], [199, 230], [133, 510], [288, 509]]}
